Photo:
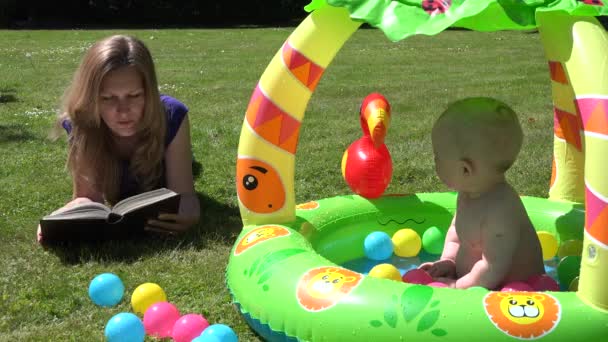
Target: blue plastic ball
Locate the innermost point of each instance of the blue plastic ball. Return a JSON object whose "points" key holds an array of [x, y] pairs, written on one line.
{"points": [[208, 338], [378, 246], [106, 289], [222, 332], [125, 327]]}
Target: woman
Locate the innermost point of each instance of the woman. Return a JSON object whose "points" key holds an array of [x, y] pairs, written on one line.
{"points": [[124, 137]]}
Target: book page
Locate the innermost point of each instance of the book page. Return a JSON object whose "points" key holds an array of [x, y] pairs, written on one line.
{"points": [[142, 200], [88, 210]]}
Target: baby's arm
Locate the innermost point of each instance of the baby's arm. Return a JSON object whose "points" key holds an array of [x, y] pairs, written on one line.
{"points": [[452, 243], [446, 266], [500, 237]]}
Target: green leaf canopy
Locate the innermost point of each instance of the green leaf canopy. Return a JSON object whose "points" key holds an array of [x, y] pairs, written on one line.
{"points": [[400, 19]]}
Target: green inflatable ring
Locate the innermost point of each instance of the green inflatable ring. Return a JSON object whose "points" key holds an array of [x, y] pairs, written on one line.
{"points": [[275, 271]]}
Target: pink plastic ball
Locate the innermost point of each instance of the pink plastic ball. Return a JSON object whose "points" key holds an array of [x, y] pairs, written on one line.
{"points": [[543, 282], [437, 284], [160, 318], [517, 286], [417, 276], [188, 327]]}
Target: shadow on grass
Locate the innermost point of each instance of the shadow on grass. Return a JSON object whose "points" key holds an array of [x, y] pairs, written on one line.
{"points": [[14, 133], [197, 168], [6, 96], [219, 224]]}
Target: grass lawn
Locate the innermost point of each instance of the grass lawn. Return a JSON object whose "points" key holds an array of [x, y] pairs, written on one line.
{"points": [[43, 293]]}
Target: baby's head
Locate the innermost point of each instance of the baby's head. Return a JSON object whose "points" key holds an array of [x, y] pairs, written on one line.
{"points": [[475, 136]]}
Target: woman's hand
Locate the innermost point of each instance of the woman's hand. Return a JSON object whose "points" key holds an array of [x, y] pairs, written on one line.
{"points": [[170, 224], [189, 214], [70, 204]]}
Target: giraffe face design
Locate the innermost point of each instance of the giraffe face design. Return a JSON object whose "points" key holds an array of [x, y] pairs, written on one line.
{"points": [[259, 186]]}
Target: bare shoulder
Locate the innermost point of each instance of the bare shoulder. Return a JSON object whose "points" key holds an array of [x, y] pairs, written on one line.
{"points": [[505, 208]]}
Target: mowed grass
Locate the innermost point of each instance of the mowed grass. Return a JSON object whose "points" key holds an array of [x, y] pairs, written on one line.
{"points": [[43, 293]]}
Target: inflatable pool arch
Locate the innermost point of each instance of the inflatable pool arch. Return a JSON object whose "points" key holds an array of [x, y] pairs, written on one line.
{"points": [[284, 271]]}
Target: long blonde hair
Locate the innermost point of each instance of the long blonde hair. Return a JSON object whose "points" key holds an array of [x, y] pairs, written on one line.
{"points": [[92, 152]]}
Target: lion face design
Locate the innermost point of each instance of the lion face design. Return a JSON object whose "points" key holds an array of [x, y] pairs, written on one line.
{"points": [[322, 288], [259, 235], [523, 309], [328, 283], [523, 314]]}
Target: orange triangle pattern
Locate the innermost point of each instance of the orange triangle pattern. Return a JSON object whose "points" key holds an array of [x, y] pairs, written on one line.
{"points": [[271, 123], [558, 74], [599, 228], [596, 217], [594, 113], [305, 70], [567, 126]]}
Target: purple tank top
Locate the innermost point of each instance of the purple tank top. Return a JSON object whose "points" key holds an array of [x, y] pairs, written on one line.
{"points": [[175, 112]]}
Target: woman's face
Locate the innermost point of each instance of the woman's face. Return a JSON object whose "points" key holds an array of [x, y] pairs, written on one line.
{"points": [[122, 101]]}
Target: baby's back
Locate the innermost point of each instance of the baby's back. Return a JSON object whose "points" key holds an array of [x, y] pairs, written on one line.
{"points": [[477, 218], [528, 258]]}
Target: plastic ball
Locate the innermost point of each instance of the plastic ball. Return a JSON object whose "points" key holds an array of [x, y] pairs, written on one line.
{"points": [[548, 244], [417, 276], [222, 332], [207, 339], [573, 285], [378, 246], [477, 288], [188, 327], [543, 282], [160, 318], [517, 286], [432, 240], [568, 269], [106, 289], [124, 327], [437, 284], [145, 295], [385, 271], [407, 243], [570, 247]]}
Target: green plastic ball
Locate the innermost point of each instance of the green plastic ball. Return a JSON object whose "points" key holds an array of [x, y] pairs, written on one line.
{"points": [[432, 240]]}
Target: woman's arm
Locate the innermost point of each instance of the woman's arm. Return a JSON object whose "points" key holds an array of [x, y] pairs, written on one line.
{"points": [[178, 163]]}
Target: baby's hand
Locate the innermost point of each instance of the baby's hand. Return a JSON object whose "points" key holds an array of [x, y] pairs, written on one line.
{"points": [[442, 268]]}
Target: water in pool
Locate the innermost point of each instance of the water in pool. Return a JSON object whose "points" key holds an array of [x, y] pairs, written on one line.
{"points": [[364, 265]]}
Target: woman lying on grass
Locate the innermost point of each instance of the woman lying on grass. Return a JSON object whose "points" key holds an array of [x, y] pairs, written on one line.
{"points": [[124, 137]]}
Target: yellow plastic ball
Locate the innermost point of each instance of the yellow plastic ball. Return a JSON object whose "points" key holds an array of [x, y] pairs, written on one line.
{"points": [[407, 243], [145, 295], [386, 271], [570, 247], [548, 243]]}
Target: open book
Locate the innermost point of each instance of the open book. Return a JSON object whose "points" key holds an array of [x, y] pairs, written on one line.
{"points": [[95, 221]]}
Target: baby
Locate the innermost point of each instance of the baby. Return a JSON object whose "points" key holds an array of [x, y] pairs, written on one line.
{"points": [[491, 240]]}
